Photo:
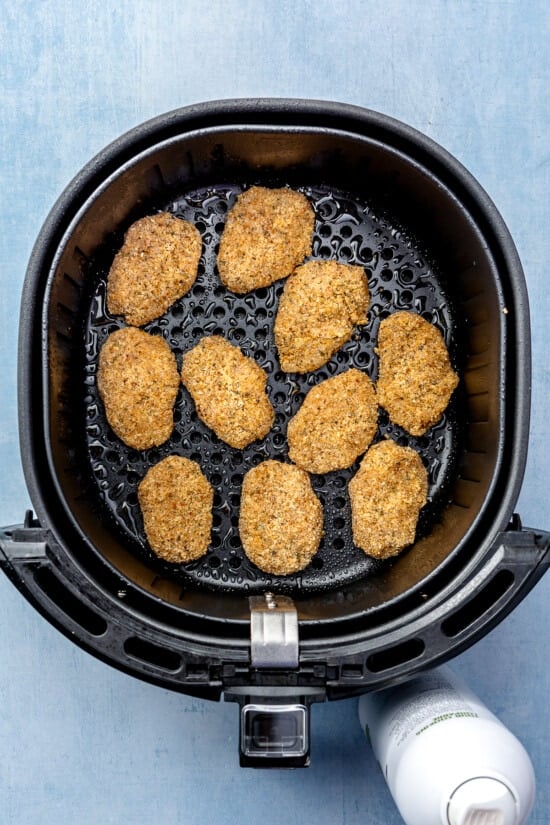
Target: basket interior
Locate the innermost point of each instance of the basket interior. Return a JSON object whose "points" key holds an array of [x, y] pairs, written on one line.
{"points": [[422, 250]]}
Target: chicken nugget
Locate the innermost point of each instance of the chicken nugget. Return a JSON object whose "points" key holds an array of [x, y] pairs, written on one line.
{"points": [[321, 304], [281, 518], [415, 377], [336, 423], [138, 382], [176, 504], [229, 391], [387, 493], [267, 233], [156, 266]]}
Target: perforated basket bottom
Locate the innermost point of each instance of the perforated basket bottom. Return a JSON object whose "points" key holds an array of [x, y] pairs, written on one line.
{"points": [[401, 276]]}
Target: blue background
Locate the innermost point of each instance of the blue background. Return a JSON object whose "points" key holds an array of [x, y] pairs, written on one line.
{"points": [[80, 742]]}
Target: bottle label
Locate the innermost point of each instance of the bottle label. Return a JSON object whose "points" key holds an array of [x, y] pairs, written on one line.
{"points": [[432, 702]]}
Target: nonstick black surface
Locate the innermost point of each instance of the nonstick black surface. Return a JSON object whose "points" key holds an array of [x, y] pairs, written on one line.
{"points": [[401, 277]]}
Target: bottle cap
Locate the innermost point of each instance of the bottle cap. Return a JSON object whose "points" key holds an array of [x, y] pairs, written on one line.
{"points": [[482, 801]]}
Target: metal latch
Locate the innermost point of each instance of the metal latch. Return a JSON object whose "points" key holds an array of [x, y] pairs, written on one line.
{"points": [[273, 632]]}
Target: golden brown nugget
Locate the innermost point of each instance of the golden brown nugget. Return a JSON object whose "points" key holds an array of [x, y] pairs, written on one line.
{"points": [[157, 265], [267, 233], [321, 304], [281, 518], [387, 494], [138, 382], [415, 377], [336, 423], [176, 503], [228, 390]]}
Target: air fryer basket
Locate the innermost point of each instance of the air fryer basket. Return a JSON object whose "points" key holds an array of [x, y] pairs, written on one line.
{"points": [[387, 198]]}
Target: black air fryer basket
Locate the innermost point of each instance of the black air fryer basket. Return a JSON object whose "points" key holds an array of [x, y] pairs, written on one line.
{"points": [[387, 198]]}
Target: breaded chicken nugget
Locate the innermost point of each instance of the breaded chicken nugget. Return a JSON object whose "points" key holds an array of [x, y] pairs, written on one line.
{"points": [[176, 504], [320, 305], [138, 382], [281, 518], [228, 390], [336, 423], [387, 494], [415, 377], [156, 266], [267, 233]]}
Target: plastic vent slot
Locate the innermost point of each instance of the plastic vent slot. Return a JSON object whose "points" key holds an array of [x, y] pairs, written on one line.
{"points": [[480, 604], [396, 655], [68, 603], [151, 654]]}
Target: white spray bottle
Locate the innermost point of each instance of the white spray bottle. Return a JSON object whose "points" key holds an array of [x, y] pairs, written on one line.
{"points": [[446, 758]]}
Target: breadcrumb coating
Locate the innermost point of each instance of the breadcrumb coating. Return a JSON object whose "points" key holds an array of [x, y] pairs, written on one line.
{"points": [[267, 233], [157, 265], [321, 304], [281, 518], [387, 494], [335, 424], [415, 377], [138, 383], [176, 504], [229, 391]]}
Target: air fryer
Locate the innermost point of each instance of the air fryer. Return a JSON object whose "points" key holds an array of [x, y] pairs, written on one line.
{"points": [[431, 241]]}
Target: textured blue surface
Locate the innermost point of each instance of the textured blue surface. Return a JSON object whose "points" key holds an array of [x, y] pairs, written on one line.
{"points": [[80, 742]]}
